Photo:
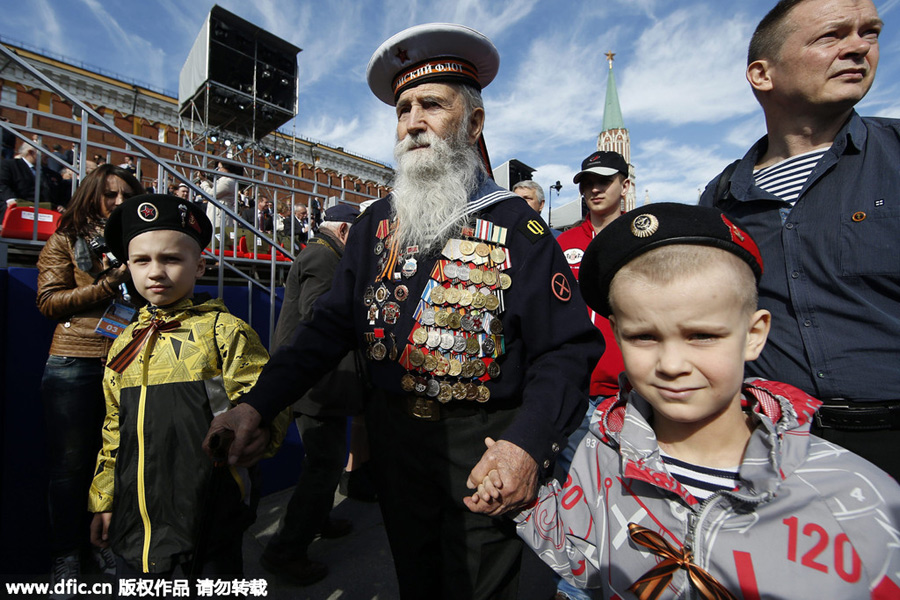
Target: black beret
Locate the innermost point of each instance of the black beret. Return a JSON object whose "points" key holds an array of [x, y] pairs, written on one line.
{"points": [[151, 212], [643, 229]]}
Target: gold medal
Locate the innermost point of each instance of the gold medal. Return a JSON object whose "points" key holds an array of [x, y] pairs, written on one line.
{"points": [[408, 383], [443, 366], [491, 302], [505, 281], [498, 255], [472, 345], [471, 392], [451, 296], [476, 275], [467, 247], [490, 277], [420, 336], [479, 368], [379, 351], [467, 370], [478, 300], [437, 295], [482, 250], [454, 320], [440, 318], [496, 326], [455, 367], [416, 357], [465, 298], [430, 363], [446, 393], [484, 394], [493, 370], [459, 391]]}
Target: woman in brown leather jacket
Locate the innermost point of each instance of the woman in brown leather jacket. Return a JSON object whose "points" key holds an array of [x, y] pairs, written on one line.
{"points": [[75, 287]]}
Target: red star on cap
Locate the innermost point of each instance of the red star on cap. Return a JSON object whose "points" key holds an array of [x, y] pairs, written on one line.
{"points": [[402, 55]]}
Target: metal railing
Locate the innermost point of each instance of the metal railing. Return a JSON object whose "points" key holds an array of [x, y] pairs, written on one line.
{"points": [[186, 167]]}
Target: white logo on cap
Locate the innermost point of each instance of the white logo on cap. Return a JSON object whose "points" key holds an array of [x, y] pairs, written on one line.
{"points": [[574, 255]]}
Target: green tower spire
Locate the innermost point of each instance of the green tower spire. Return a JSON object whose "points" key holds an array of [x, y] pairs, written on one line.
{"points": [[612, 112]]}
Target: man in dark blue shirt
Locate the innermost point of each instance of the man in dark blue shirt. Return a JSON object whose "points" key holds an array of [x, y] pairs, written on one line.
{"points": [[819, 194]]}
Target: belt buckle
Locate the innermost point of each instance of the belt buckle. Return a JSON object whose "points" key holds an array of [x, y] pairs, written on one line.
{"points": [[424, 409], [822, 421]]}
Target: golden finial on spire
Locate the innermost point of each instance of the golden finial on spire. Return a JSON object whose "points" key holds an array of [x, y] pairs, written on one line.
{"points": [[609, 57]]}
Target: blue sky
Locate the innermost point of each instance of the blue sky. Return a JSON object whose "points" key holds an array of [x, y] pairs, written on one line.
{"points": [[679, 68]]}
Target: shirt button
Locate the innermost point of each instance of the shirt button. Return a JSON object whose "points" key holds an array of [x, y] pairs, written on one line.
{"points": [[547, 464], [555, 447], [820, 375], [67, 324], [795, 274], [807, 323], [789, 225]]}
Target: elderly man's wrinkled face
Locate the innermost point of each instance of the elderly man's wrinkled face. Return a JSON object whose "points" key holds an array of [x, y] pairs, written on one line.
{"points": [[431, 107]]}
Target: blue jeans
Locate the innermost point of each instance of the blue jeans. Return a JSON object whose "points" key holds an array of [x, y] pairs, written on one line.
{"points": [[74, 409], [563, 463]]}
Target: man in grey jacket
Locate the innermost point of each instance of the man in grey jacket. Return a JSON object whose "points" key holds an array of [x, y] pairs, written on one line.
{"points": [[321, 413]]}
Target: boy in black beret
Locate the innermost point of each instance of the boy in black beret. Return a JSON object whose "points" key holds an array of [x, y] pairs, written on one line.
{"points": [[693, 481], [158, 501]]}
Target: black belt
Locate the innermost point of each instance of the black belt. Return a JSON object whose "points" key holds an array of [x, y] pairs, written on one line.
{"points": [[858, 416]]}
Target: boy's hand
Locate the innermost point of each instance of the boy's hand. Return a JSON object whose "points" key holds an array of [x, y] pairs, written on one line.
{"points": [[504, 479], [100, 529], [250, 441]]}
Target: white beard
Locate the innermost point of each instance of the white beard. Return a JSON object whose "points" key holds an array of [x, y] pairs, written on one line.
{"points": [[432, 187]]}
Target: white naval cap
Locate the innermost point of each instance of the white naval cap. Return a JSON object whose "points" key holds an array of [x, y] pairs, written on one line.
{"points": [[438, 52]]}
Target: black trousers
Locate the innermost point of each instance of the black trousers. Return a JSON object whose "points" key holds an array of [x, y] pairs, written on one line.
{"points": [[440, 548], [880, 447], [325, 454]]}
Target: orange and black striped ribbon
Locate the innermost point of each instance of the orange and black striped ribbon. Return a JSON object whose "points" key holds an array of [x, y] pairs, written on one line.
{"points": [[140, 337], [652, 583], [392, 257]]}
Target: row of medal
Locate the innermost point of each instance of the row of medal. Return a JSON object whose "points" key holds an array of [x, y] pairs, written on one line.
{"points": [[457, 335]]}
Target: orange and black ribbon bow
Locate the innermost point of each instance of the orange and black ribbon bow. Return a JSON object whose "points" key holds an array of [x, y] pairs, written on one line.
{"points": [[140, 337], [652, 583]]}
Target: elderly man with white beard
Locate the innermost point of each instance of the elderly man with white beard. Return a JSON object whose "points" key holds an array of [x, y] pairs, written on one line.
{"points": [[478, 343]]}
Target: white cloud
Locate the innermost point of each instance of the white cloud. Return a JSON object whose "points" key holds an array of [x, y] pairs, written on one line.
{"points": [[52, 30], [673, 172], [150, 57], [689, 69]]}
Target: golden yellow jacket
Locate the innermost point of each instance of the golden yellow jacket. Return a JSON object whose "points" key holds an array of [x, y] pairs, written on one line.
{"points": [[152, 472]]}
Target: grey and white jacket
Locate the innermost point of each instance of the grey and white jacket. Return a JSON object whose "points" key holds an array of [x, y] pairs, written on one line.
{"points": [[808, 519]]}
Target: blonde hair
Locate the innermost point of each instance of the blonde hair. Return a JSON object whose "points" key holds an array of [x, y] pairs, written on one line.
{"points": [[670, 263]]}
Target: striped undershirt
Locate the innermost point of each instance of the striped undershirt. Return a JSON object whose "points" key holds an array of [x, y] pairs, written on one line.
{"points": [[786, 178], [701, 482]]}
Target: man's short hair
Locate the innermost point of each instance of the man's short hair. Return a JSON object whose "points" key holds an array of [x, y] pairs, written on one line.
{"points": [[667, 264], [534, 186], [771, 32]]}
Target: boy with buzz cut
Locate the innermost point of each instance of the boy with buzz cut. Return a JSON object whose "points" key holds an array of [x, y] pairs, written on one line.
{"points": [[159, 502], [693, 482]]}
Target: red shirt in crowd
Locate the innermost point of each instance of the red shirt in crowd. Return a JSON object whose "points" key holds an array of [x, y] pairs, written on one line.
{"points": [[605, 378]]}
